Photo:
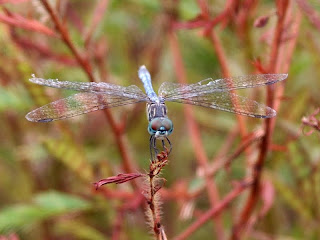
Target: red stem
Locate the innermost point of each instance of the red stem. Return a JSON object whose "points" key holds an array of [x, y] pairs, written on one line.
{"points": [[195, 133], [98, 14], [86, 66], [257, 168], [226, 73], [214, 211]]}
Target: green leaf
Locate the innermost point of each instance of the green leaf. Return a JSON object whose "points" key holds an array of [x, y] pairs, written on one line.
{"points": [[71, 155], [20, 217], [13, 98], [49, 204], [79, 230], [292, 200], [60, 202]]}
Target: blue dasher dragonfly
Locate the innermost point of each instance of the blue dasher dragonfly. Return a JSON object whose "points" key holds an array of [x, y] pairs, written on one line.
{"points": [[217, 94]]}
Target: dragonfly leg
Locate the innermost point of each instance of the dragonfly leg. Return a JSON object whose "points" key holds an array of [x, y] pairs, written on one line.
{"points": [[153, 148], [156, 151], [164, 145], [170, 145]]}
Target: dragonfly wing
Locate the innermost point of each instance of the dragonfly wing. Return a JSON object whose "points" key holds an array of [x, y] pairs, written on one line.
{"points": [[76, 105], [102, 87], [175, 91], [230, 102], [246, 81]]}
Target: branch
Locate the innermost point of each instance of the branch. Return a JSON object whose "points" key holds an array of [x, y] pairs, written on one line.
{"points": [[310, 13], [214, 211], [257, 168], [195, 133], [85, 64]]}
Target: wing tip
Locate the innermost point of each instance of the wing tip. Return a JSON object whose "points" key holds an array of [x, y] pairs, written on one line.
{"points": [[278, 77], [30, 118], [284, 76], [270, 113]]}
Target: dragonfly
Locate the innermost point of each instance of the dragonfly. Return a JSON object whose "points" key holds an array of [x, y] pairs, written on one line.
{"points": [[216, 94]]}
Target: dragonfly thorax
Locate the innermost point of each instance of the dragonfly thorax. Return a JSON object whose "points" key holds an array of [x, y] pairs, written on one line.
{"points": [[156, 110]]}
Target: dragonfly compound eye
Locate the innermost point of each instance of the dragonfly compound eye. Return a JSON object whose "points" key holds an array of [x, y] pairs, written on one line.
{"points": [[156, 124], [160, 125], [167, 125]]}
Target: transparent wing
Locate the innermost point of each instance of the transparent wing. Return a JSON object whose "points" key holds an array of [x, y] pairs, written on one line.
{"points": [[77, 104], [230, 102], [172, 91], [102, 87]]}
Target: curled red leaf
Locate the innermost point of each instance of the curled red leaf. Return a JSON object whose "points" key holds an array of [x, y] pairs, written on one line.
{"points": [[120, 178]]}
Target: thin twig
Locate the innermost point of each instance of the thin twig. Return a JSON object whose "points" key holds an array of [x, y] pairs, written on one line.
{"points": [[98, 14], [310, 13], [226, 73], [214, 211], [155, 184], [257, 168], [85, 64], [216, 43], [225, 15], [195, 134], [66, 38], [226, 161]]}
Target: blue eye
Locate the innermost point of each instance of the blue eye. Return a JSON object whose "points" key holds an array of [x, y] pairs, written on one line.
{"points": [[161, 124]]}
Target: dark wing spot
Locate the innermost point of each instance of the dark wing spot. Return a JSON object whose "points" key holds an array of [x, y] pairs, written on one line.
{"points": [[45, 120]]}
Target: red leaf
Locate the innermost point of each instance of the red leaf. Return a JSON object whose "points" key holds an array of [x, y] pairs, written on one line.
{"points": [[120, 178], [42, 49], [22, 22]]}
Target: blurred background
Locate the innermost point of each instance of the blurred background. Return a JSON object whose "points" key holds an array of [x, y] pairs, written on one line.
{"points": [[47, 169]]}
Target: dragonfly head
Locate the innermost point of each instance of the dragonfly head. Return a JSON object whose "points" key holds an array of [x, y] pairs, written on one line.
{"points": [[160, 127]]}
